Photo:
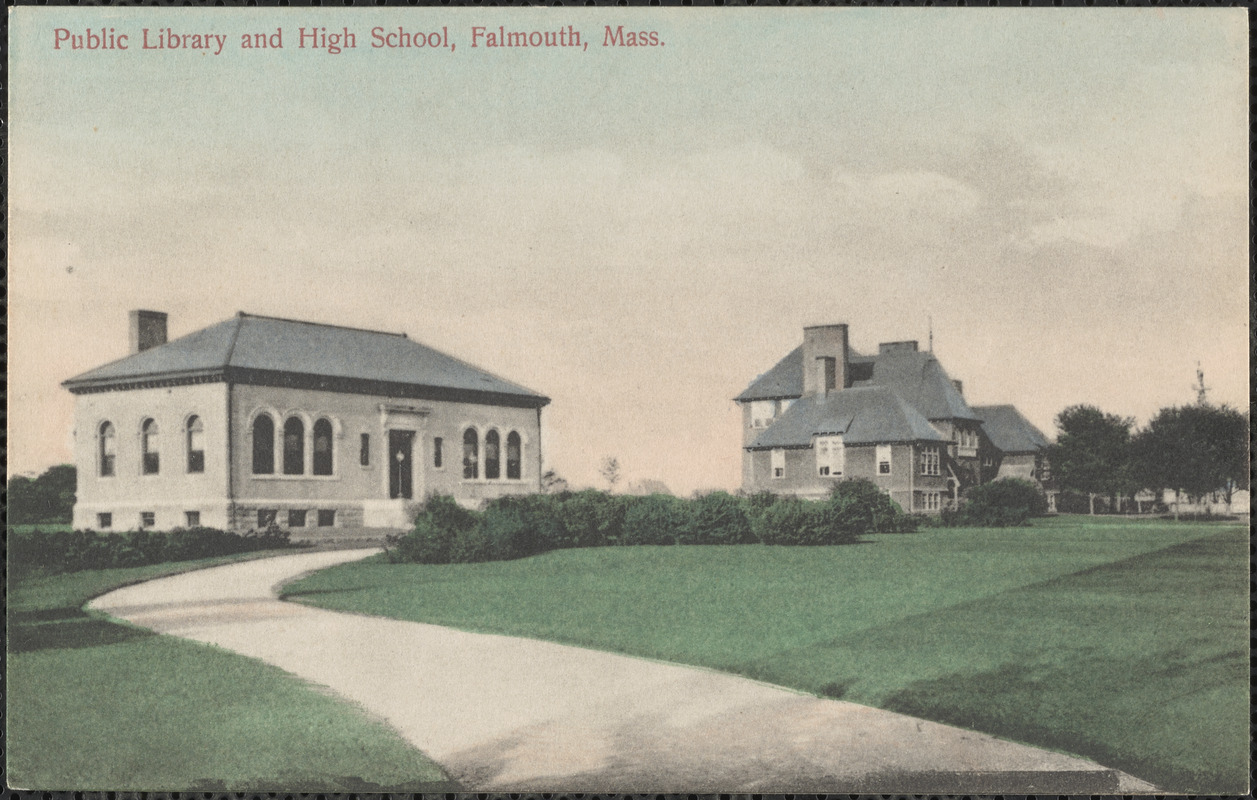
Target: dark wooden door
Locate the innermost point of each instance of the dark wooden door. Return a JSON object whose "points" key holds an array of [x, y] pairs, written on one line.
{"points": [[401, 456]]}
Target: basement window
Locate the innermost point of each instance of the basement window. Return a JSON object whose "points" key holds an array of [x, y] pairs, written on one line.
{"points": [[104, 520], [297, 518], [148, 519], [327, 517], [267, 517], [192, 519]]}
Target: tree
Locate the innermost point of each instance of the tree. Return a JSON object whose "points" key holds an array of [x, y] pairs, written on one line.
{"points": [[46, 499], [1091, 454], [552, 482], [610, 471], [1195, 450]]}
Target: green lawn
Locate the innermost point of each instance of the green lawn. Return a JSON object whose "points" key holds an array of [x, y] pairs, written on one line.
{"points": [[97, 705], [1124, 641]]}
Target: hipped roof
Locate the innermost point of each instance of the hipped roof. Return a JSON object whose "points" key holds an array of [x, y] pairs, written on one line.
{"points": [[249, 343], [1009, 431], [863, 415]]}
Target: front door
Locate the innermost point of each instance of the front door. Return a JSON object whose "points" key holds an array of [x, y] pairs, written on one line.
{"points": [[401, 446]]}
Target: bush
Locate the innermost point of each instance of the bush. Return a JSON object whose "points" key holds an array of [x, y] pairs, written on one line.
{"points": [[1005, 503], [656, 519], [860, 507], [522, 525], [441, 521], [73, 551], [717, 518], [591, 518], [791, 521]]}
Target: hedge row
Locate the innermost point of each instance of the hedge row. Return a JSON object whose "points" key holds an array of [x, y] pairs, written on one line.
{"points": [[71, 551], [515, 527]]}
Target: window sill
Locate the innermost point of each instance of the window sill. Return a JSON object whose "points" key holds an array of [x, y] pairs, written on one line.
{"points": [[295, 477]]}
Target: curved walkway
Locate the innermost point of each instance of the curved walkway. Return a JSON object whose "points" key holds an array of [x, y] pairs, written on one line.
{"points": [[500, 712]]}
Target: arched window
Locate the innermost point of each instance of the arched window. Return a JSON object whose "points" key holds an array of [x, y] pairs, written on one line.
{"points": [[263, 445], [492, 455], [150, 447], [294, 446], [108, 449], [196, 444], [323, 447], [513, 454], [471, 454]]}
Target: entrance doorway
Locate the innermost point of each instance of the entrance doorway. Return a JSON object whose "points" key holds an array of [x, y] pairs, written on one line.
{"points": [[401, 456]]}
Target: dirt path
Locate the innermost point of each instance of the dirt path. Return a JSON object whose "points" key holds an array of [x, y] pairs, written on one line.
{"points": [[500, 712]]}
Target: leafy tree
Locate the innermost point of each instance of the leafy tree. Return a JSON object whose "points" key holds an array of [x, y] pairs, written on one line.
{"points": [[46, 499], [1195, 450], [1091, 454], [552, 482], [610, 471]]}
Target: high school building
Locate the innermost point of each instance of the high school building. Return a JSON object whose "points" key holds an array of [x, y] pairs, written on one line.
{"points": [[825, 412]]}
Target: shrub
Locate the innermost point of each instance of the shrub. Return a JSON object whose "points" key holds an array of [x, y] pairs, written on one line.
{"points": [[1008, 502], [791, 521], [860, 507], [519, 526], [718, 518], [591, 518], [656, 519], [441, 521], [72, 551]]}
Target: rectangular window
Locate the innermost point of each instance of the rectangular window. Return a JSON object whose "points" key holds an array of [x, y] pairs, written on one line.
{"points": [[192, 518], [830, 456], [327, 517], [267, 517], [364, 450], [929, 461], [296, 518], [152, 463], [762, 413], [437, 454], [148, 519], [104, 520], [883, 459], [930, 501], [779, 463]]}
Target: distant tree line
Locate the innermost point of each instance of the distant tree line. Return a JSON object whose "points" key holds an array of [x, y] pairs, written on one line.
{"points": [[1194, 450], [46, 500]]}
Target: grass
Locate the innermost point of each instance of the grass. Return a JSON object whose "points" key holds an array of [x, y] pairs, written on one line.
{"points": [[93, 704], [1124, 641]]}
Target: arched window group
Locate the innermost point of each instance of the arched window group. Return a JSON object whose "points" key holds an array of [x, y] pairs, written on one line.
{"points": [[293, 446], [150, 447], [493, 453]]}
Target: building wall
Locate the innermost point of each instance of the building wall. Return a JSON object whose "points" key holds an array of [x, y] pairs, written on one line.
{"points": [[172, 491], [354, 494], [904, 484], [358, 493]]}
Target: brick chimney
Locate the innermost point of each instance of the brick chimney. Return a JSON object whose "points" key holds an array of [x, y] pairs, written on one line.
{"points": [[825, 359], [909, 346], [148, 330]]}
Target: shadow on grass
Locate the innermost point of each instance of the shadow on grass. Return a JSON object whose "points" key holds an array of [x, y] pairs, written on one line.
{"points": [[65, 629], [305, 784]]}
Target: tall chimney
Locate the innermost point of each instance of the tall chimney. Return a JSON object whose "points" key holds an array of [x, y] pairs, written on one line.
{"points": [[825, 359], [148, 330]]}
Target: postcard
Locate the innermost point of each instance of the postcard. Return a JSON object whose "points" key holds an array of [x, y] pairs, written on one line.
{"points": [[628, 400]]}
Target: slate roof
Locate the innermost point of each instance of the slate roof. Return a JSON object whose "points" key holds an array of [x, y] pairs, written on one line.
{"points": [[1009, 431], [248, 344], [919, 378], [864, 415], [785, 379], [916, 376]]}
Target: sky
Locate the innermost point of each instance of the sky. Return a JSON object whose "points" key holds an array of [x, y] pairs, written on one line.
{"points": [[1060, 195]]}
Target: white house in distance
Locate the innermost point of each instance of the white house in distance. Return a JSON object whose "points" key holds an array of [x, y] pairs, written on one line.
{"points": [[258, 419]]}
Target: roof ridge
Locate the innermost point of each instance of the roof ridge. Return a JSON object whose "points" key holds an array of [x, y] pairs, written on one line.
{"points": [[244, 315]]}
